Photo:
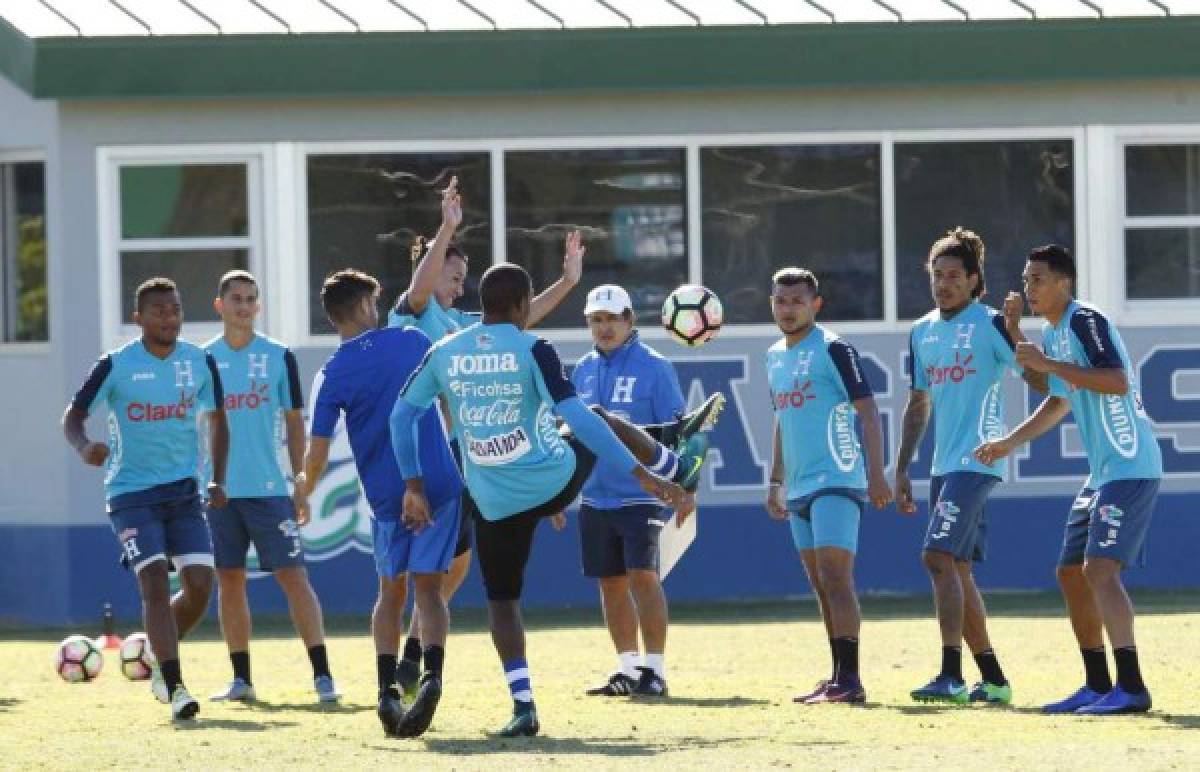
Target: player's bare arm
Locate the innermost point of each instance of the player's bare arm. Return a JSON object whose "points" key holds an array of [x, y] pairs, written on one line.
{"points": [[1046, 417], [550, 297], [776, 487], [74, 429], [1102, 380], [878, 490], [429, 270], [1014, 307], [912, 429], [218, 428], [293, 421]]}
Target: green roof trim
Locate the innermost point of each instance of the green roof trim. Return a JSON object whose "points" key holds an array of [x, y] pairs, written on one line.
{"points": [[16, 56], [608, 60]]}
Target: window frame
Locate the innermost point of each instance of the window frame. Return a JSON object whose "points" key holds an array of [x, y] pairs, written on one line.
{"points": [[34, 155], [263, 186]]}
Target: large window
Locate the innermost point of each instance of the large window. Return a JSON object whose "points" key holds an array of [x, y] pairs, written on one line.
{"points": [[815, 206], [366, 210], [190, 222], [23, 252], [1015, 194], [629, 204], [1162, 221]]}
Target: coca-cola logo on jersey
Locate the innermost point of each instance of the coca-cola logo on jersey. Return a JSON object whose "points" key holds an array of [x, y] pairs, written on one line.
{"points": [[502, 412]]}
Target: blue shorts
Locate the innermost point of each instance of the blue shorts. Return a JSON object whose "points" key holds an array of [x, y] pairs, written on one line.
{"points": [[160, 523], [1110, 523], [399, 549], [958, 514], [827, 518], [269, 522], [615, 541]]}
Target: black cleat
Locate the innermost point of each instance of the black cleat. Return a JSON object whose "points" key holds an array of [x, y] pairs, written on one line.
{"points": [[702, 419], [390, 712], [524, 723], [420, 713], [618, 685], [651, 684]]}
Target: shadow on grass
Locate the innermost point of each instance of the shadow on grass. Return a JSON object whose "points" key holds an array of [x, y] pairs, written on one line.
{"points": [[543, 745], [1176, 721], [237, 725], [700, 702], [308, 707], [8, 702]]}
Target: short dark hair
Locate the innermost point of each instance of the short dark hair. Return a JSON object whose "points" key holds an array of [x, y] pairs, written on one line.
{"points": [[791, 276], [1057, 257], [418, 250], [151, 286], [503, 287], [230, 277], [968, 247], [345, 289]]}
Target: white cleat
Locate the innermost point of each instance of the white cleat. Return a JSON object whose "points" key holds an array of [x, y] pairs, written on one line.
{"points": [[326, 689], [158, 687], [238, 691], [183, 705]]}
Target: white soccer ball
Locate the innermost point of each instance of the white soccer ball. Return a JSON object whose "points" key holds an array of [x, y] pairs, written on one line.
{"points": [[692, 314], [137, 661], [78, 659]]}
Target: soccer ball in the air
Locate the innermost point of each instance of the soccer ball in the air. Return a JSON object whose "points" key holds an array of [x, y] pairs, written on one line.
{"points": [[136, 660], [78, 659], [692, 314]]}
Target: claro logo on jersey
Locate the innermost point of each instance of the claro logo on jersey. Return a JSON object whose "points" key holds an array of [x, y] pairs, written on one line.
{"points": [[482, 364], [796, 398], [147, 411], [250, 400], [953, 373]]}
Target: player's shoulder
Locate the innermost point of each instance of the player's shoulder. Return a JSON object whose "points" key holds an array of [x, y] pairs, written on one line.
{"points": [[1082, 313], [926, 321], [649, 354], [188, 350], [214, 344], [276, 347], [778, 347]]}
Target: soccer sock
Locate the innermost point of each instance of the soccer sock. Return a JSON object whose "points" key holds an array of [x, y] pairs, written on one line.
{"points": [[666, 463], [1129, 674], [435, 656], [516, 672], [833, 657], [952, 662], [989, 667], [171, 674], [1095, 665], [656, 663], [412, 649], [385, 669], [630, 661], [319, 659], [241, 665], [847, 659]]}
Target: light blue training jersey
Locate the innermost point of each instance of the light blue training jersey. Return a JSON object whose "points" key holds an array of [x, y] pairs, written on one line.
{"points": [[813, 384], [435, 321], [261, 381], [153, 407], [960, 361], [501, 384], [1116, 431]]}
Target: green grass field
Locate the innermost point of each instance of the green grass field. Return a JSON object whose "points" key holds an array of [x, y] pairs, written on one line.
{"points": [[732, 672]]}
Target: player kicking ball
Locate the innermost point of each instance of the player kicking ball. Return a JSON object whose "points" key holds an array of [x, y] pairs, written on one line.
{"points": [[504, 387], [821, 487], [1091, 377], [361, 381], [154, 389]]}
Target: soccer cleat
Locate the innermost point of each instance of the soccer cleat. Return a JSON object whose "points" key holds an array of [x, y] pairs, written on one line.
{"points": [[849, 693], [691, 452], [326, 689], [702, 419], [158, 687], [821, 686], [618, 685], [408, 673], [420, 714], [1118, 702], [524, 723], [942, 689], [651, 684], [183, 705], [390, 712], [990, 693], [1083, 696], [238, 691]]}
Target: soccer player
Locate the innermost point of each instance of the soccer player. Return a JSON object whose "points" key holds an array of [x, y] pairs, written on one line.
{"points": [[154, 388], [821, 487], [361, 380], [959, 352], [262, 385], [503, 386], [1091, 376], [428, 304], [619, 523]]}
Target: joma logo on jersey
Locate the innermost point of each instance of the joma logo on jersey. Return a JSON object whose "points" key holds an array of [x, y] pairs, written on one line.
{"points": [[954, 373], [800, 394], [250, 400], [481, 364], [1119, 426], [145, 411]]}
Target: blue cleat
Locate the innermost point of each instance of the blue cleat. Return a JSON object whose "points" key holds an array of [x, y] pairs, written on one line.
{"points": [[1117, 702], [1083, 696], [942, 689]]}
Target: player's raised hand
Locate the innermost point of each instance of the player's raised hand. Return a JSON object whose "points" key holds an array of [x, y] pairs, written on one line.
{"points": [[452, 205], [94, 453], [1014, 306], [416, 515], [904, 496], [573, 257], [558, 520], [777, 502], [878, 490], [991, 452], [1030, 357]]}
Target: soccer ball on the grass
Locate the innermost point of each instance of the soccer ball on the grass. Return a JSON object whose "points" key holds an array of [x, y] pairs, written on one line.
{"points": [[136, 659], [692, 314], [78, 659]]}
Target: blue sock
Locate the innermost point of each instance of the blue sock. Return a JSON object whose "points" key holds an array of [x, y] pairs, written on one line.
{"points": [[666, 463], [516, 672]]}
